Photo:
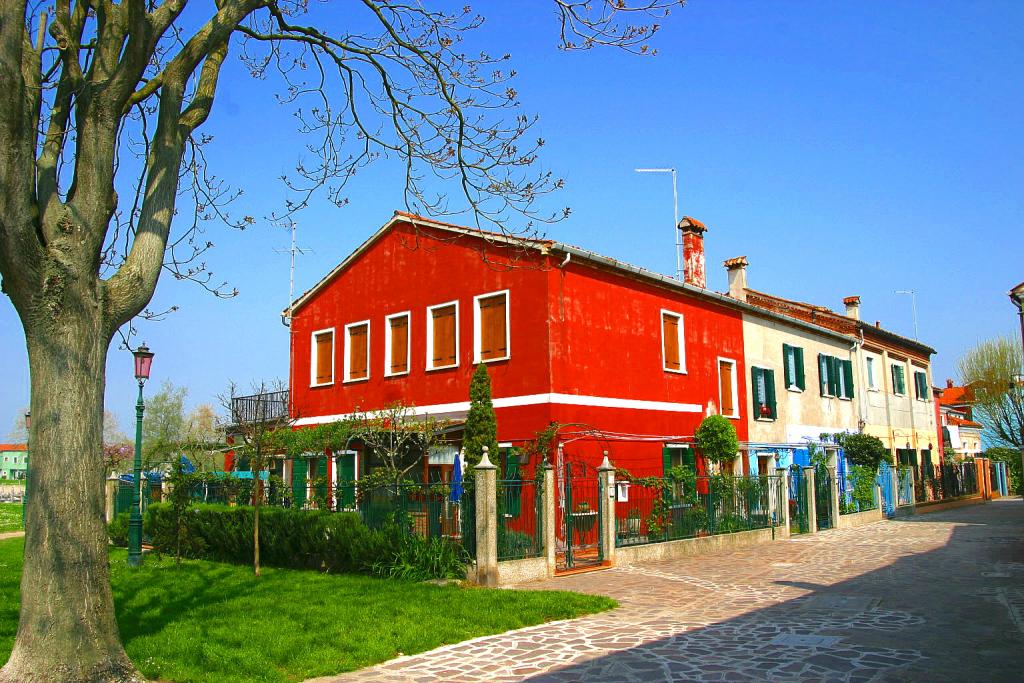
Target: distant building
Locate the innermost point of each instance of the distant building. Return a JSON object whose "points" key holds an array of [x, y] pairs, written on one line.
{"points": [[13, 460], [961, 434]]}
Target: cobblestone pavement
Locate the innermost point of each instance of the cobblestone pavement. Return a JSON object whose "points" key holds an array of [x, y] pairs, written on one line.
{"points": [[936, 597]]}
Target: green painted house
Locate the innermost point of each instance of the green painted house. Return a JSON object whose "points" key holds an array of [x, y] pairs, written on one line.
{"points": [[13, 460]]}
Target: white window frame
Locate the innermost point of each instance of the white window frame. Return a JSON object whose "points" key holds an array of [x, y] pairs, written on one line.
{"points": [[430, 336], [334, 465], [753, 393], [914, 369], [841, 382], [681, 333], [312, 356], [387, 343], [347, 362], [478, 333], [735, 388], [869, 372]]}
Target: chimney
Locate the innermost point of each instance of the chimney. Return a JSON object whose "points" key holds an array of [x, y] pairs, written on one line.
{"points": [[949, 384], [693, 251], [736, 268], [852, 307]]}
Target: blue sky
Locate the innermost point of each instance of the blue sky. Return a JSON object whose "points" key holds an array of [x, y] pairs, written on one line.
{"points": [[843, 147]]}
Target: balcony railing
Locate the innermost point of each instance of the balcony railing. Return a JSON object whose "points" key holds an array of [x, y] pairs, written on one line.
{"points": [[266, 407]]}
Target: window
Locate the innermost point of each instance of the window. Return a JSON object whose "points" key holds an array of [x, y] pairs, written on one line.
{"points": [[727, 387], [870, 372], [357, 358], [490, 327], [677, 455], [835, 376], [442, 340], [899, 382], [396, 344], [763, 391], [321, 362], [673, 348], [793, 361], [921, 385]]}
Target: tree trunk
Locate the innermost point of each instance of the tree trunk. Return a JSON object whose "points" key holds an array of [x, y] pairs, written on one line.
{"points": [[67, 630], [256, 523]]}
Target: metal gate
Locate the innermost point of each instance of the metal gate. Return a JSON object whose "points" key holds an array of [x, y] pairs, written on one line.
{"points": [[581, 537], [885, 482], [799, 509], [906, 487], [823, 497]]}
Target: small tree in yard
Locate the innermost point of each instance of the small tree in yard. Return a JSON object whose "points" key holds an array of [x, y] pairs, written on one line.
{"points": [[481, 424], [716, 439], [398, 439], [257, 438], [862, 450]]}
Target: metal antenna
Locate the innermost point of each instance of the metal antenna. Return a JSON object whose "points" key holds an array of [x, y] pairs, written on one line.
{"points": [[913, 303], [675, 215], [293, 250]]}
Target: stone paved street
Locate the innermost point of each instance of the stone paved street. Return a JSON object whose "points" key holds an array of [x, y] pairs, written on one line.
{"points": [[936, 597]]}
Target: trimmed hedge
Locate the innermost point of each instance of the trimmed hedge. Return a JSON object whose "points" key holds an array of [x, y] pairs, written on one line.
{"points": [[305, 539]]}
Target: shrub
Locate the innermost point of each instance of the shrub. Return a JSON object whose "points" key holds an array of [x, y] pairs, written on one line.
{"points": [[307, 539], [117, 530], [716, 439], [863, 449]]}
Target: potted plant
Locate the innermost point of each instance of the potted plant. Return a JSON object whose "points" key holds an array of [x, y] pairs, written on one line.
{"points": [[583, 518]]}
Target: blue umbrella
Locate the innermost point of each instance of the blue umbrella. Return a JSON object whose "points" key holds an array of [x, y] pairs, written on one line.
{"points": [[456, 488]]}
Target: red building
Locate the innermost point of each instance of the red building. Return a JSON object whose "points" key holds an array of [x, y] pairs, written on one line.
{"points": [[628, 360]]}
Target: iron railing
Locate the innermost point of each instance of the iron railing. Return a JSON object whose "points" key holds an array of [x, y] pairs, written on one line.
{"points": [[654, 510], [858, 490], [520, 507], [270, 406]]}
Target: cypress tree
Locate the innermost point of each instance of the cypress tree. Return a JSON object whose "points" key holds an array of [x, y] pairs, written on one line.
{"points": [[481, 424]]}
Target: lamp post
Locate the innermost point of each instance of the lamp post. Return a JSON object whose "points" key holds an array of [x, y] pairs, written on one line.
{"points": [[1017, 297], [675, 215], [143, 362], [28, 445]]}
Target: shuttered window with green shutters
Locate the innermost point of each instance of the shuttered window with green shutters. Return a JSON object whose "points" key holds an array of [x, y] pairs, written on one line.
{"points": [[899, 382], [299, 470], [793, 367], [346, 464], [762, 389], [921, 385], [835, 376]]}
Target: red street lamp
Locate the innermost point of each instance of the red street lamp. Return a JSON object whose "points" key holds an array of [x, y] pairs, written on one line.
{"points": [[143, 363]]}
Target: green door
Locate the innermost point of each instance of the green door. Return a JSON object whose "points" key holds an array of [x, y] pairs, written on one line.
{"points": [[346, 475], [321, 480], [299, 469]]}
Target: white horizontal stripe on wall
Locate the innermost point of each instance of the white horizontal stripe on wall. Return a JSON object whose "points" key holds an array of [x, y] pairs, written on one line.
{"points": [[531, 400]]}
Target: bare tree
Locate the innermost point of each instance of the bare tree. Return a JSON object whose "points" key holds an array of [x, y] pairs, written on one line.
{"points": [[992, 372], [101, 148], [398, 438], [254, 438]]}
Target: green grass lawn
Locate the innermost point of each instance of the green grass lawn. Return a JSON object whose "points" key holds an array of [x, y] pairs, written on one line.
{"points": [[205, 621], [10, 517]]}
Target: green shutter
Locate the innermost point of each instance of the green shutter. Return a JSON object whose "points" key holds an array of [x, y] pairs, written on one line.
{"points": [[801, 381], [788, 350], [823, 374], [848, 376], [833, 375], [754, 372], [666, 461], [299, 469], [346, 464], [689, 459], [321, 476], [512, 497], [769, 390]]}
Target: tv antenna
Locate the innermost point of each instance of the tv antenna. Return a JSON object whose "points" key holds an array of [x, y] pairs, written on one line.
{"points": [[293, 250], [675, 216], [913, 303]]}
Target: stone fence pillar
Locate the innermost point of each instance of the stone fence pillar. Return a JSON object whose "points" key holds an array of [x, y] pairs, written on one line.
{"points": [[548, 519], [782, 497], [606, 489], [110, 496], [834, 483], [486, 522], [812, 507]]}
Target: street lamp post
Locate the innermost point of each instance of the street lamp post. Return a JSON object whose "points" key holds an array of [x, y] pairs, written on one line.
{"points": [[1017, 297], [28, 446], [143, 362]]}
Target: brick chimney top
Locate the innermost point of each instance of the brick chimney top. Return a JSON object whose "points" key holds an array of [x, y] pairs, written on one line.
{"points": [[691, 224], [851, 300], [949, 384], [852, 307], [738, 262]]}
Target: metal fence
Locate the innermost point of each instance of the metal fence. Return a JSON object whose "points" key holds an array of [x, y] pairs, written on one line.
{"points": [[126, 491], [950, 480], [858, 491], [520, 507], [653, 510]]}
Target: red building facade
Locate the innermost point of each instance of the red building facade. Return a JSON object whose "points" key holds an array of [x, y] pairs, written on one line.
{"points": [[629, 361]]}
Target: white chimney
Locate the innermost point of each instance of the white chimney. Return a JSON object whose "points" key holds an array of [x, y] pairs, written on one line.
{"points": [[736, 268], [852, 307]]}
